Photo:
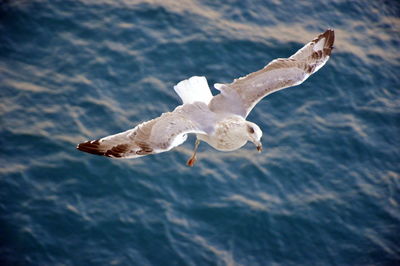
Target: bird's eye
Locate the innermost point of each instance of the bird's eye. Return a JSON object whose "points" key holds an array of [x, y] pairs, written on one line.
{"points": [[250, 129]]}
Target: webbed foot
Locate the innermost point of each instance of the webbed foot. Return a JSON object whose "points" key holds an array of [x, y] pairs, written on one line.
{"points": [[192, 160]]}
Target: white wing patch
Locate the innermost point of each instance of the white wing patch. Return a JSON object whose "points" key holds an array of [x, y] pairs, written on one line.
{"points": [[319, 45]]}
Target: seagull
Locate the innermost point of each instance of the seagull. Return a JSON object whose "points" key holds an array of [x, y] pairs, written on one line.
{"points": [[218, 120]]}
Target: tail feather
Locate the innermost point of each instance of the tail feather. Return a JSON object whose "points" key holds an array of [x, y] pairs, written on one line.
{"points": [[194, 89]]}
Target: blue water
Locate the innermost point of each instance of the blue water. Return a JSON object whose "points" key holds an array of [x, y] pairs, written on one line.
{"points": [[325, 190]]}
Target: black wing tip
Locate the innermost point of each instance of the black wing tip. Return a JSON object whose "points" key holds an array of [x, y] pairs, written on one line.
{"points": [[91, 147], [329, 36]]}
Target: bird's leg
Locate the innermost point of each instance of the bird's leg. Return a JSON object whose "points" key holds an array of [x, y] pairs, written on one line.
{"points": [[193, 159]]}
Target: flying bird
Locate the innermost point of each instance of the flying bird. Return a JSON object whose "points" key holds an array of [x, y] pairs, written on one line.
{"points": [[219, 120]]}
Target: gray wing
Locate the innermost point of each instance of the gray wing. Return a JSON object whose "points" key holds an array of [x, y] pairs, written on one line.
{"points": [[154, 136], [240, 96]]}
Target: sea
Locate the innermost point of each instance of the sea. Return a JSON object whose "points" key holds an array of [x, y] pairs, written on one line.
{"points": [[324, 191]]}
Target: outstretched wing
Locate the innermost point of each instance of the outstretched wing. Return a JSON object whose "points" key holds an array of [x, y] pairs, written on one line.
{"points": [[244, 93], [154, 136]]}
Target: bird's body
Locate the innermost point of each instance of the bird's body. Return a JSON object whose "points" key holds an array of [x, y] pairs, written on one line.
{"points": [[228, 134], [218, 120]]}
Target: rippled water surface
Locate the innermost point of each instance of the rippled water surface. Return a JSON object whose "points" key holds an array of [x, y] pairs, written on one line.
{"points": [[325, 190]]}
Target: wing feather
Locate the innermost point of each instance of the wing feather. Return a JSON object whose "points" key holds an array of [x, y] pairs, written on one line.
{"points": [[240, 96], [154, 136]]}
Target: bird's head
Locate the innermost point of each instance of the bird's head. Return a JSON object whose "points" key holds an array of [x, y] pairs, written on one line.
{"points": [[254, 134]]}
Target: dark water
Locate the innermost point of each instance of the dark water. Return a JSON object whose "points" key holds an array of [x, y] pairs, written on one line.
{"points": [[325, 191]]}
